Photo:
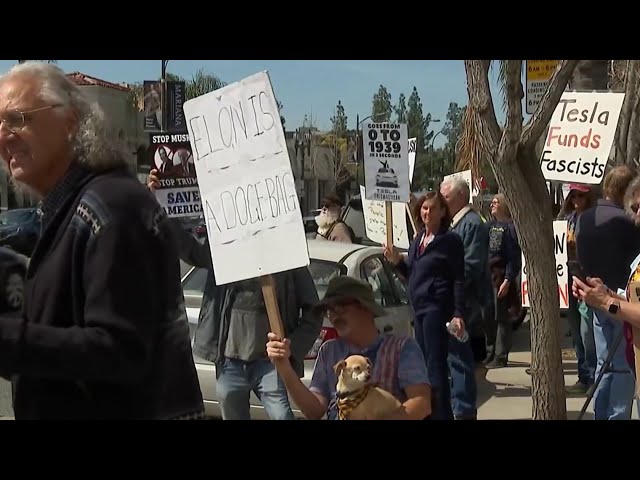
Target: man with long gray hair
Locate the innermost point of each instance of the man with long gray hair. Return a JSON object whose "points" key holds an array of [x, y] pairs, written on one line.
{"points": [[104, 333]]}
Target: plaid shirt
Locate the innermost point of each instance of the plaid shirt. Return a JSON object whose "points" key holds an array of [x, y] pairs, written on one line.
{"points": [[409, 368]]}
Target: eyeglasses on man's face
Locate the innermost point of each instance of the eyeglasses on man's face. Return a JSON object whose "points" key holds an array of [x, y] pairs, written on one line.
{"points": [[17, 119]]}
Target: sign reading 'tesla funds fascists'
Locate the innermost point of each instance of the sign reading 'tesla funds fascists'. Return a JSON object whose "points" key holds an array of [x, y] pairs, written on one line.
{"points": [[386, 162], [580, 137], [560, 242], [246, 184]]}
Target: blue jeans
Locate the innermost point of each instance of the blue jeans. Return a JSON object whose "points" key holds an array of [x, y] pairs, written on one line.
{"points": [[236, 379], [581, 325], [614, 396], [432, 337], [463, 379]]}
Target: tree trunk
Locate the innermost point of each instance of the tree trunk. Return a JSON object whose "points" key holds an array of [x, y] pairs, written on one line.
{"points": [[511, 153], [530, 206]]}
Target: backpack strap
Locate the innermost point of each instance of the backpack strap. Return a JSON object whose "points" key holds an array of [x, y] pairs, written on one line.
{"points": [[328, 234]]}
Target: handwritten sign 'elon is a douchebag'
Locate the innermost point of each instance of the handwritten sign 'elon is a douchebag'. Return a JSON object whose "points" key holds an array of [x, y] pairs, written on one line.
{"points": [[246, 184], [580, 137]]}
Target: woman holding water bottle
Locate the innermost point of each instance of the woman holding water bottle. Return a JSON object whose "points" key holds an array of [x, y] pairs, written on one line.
{"points": [[434, 266]]}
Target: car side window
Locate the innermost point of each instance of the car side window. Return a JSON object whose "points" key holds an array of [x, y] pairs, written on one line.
{"points": [[399, 283], [372, 271]]}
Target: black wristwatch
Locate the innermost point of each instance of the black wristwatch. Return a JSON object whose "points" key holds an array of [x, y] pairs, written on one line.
{"points": [[614, 307]]}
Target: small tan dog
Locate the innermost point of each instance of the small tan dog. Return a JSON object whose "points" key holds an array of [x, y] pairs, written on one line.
{"points": [[357, 399]]}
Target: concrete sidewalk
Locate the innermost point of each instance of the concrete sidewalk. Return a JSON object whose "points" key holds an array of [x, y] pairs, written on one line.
{"points": [[505, 393]]}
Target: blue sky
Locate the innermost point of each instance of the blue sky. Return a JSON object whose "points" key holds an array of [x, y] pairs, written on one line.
{"points": [[311, 86]]}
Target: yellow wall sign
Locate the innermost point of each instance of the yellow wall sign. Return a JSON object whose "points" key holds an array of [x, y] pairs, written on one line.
{"points": [[538, 75], [541, 69]]}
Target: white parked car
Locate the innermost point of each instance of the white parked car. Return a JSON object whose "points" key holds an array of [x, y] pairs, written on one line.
{"points": [[328, 259]]}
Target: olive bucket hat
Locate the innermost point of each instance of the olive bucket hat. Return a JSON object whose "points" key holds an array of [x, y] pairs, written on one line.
{"points": [[343, 288]]}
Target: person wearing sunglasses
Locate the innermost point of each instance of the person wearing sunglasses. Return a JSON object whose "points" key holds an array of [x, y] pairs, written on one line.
{"points": [[104, 331], [398, 363], [330, 225], [579, 199]]}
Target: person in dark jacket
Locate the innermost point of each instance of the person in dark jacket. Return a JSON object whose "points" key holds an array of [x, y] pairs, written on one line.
{"points": [[505, 263], [579, 199], [104, 332], [607, 241], [434, 266], [233, 327], [463, 356]]}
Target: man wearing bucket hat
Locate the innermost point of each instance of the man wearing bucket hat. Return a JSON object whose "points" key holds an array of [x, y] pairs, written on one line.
{"points": [[398, 363]]}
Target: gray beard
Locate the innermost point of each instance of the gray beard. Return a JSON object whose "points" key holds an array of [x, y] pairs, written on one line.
{"points": [[325, 220]]}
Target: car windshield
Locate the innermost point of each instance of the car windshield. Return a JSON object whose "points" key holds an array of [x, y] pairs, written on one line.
{"points": [[13, 217], [321, 272]]}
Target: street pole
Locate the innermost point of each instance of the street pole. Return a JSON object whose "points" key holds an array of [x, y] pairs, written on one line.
{"points": [[163, 94]]}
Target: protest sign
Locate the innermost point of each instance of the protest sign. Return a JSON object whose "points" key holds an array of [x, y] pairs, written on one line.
{"points": [[178, 193], [560, 242], [386, 162], [376, 225], [580, 137], [247, 187], [412, 158]]}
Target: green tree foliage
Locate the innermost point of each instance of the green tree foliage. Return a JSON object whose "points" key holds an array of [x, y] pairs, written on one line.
{"points": [[401, 110], [381, 108], [417, 122]]}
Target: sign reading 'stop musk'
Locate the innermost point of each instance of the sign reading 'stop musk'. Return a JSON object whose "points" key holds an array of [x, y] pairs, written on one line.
{"points": [[246, 184], [386, 162], [581, 133]]}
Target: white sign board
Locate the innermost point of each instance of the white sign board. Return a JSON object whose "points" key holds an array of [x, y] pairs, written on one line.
{"points": [[560, 242], [386, 162], [466, 176], [413, 144], [247, 188], [580, 137], [376, 224]]}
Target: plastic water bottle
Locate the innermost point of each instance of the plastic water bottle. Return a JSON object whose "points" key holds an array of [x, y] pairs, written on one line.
{"points": [[452, 329]]}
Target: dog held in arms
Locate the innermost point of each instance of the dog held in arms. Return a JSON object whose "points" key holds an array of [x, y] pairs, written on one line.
{"points": [[357, 398]]}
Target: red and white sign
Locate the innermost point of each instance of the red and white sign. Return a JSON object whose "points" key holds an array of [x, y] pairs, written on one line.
{"points": [[580, 137], [560, 242]]}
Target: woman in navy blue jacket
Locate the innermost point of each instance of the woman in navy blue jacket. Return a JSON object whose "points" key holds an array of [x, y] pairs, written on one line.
{"points": [[434, 266]]}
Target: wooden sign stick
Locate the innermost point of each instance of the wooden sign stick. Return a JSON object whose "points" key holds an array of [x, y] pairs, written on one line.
{"points": [[271, 302], [389, 221]]}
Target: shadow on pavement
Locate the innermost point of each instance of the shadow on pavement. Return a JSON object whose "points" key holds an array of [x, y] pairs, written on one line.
{"points": [[573, 415]]}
